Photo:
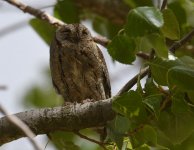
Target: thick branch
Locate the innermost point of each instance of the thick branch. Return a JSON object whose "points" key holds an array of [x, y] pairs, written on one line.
{"points": [[22, 127], [69, 118]]}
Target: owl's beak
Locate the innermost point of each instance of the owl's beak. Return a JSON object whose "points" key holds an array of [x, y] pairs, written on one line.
{"points": [[77, 38]]}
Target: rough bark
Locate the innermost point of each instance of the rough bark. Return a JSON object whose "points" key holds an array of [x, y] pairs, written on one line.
{"points": [[69, 118]]}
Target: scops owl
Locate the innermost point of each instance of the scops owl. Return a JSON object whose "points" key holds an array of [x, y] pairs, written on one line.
{"points": [[78, 68]]}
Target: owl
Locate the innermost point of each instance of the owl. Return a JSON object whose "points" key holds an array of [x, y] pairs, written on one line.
{"points": [[78, 68]]}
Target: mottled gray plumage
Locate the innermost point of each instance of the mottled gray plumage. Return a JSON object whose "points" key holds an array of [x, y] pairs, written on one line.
{"points": [[78, 68]]}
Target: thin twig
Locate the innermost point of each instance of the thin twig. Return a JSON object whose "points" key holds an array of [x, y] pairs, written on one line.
{"points": [[145, 56], [36, 12], [133, 81], [164, 3], [181, 42], [3, 87], [22, 126], [102, 40], [91, 140]]}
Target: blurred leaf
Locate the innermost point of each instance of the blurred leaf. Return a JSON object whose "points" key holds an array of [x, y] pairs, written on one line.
{"points": [[40, 97], [170, 29], [66, 11], [159, 68], [44, 30], [104, 27], [179, 11], [130, 105], [150, 135], [143, 147], [143, 20], [187, 144], [122, 49], [63, 140], [190, 95], [158, 43], [182, 77]]}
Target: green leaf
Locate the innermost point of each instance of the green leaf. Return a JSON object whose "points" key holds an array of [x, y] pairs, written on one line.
{"points": [[143, 147], [182, 77], [159, 69], [143, 45], [176, 127], [135, 3], [121, 124], [114, 134], [158, 43], [188, 61], [146, 136], [150, 135], [122, 49], [67, 11], [143, 20], [45, 30], [153, 103], [130, 105], [150, 87], [170, 29], [179, 105]]}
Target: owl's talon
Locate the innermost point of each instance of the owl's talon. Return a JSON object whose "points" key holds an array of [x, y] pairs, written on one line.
{"points": [[67, 103], [88, 100]]}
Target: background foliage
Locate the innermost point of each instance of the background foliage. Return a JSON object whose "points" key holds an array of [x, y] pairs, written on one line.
{"points": [[157, 115]]}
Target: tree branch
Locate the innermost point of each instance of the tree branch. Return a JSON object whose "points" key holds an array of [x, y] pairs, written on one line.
{"points": [[89, 139], [182, 41], [133, 81], [21, 126], [3, 87], [36, 13], [164, 3], [69, 118]]}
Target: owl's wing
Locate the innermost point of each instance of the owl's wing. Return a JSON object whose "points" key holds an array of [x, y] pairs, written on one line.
{"points": [[106, 79]]}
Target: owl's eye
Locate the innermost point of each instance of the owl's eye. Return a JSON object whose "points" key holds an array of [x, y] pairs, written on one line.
{"points": [[85, 32], [66, 31]]}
